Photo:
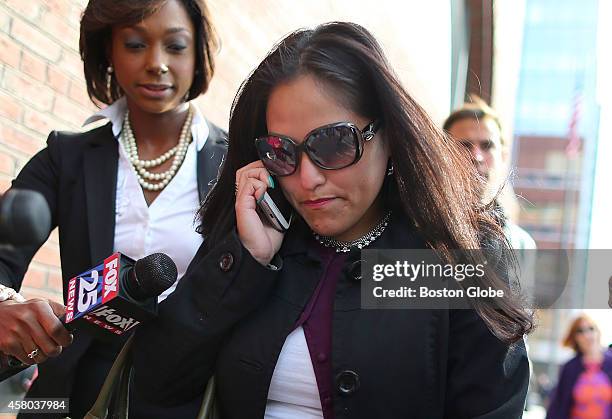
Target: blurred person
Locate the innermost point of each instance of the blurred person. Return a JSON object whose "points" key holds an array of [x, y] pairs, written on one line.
{"points": [[478, 128], [132, 186], [584, 389], [277, 317], [544, 386]]}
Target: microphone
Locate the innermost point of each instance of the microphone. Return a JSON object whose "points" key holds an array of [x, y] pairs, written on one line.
{"points": [[111, 299], [25, 218], [118, 294]]}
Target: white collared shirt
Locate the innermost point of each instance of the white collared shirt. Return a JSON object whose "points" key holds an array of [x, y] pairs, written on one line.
{"points": [[168, 224]]}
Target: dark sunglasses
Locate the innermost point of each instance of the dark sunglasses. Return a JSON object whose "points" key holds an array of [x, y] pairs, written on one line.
{"points": [[333, 146], [581, 330]]}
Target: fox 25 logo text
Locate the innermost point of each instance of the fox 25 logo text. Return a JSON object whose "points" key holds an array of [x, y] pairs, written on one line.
{"points": [[93, 288]]}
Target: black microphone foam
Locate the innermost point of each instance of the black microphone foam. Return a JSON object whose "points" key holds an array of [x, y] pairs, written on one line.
{"points": [[153, 275], [25, 218]]}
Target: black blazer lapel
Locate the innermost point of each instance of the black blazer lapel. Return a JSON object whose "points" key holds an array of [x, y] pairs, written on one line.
{"points": [[210, 159], [100, 171]]}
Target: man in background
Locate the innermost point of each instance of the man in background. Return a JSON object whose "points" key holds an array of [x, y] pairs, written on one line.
{"points": [[479, 130]]}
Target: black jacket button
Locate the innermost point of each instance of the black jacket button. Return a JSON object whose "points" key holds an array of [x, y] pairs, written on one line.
{"points": [[226, 261], [347, 382]]}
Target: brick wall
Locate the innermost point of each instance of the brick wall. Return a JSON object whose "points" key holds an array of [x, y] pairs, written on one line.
{"points": [[42, 87]]}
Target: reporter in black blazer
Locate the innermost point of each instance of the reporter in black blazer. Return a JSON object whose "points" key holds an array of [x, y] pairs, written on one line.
{"points": [[137, 62], [277, 317]]}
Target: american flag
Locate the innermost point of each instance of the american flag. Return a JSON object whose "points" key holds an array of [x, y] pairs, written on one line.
{"points": [[573, 135]]}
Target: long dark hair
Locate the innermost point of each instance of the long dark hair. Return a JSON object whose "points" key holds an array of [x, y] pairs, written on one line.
{"points": [[97, 22], [433, 182]]}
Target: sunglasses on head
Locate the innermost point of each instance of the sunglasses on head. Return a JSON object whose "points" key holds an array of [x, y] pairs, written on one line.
{"points": [[333, 146]]}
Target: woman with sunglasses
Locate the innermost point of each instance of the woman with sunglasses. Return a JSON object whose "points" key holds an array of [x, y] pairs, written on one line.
{"points": [[323, 125], [584, 390]]}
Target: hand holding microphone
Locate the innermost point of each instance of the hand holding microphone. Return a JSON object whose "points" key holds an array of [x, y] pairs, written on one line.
{"points": [[106, 301], [31, 331]]}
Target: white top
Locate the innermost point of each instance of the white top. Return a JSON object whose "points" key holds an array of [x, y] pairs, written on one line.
{"points": [[525, 251], [293, 390], [518, 237], [168, 224]]}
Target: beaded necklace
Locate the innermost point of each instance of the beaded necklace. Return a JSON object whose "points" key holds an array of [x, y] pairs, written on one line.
{"points": [[178, 152], [360, 243]]}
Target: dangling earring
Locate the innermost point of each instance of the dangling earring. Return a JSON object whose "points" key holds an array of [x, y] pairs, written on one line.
{"points": [[109, 77], [390, 168]]}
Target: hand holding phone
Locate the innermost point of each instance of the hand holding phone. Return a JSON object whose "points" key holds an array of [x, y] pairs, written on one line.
{"points": [[270, 212], [260, 227]]}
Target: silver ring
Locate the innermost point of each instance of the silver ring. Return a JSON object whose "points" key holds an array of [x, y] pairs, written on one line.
{"points": [[163, 68], [33, 354]]}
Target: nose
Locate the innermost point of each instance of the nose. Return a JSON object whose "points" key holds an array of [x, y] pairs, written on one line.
{"points": [[477, 154], [155, 62], [311, 176]]}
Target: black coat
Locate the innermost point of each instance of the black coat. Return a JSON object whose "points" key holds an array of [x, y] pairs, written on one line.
{"points": [[230, 316], [77, 174]]}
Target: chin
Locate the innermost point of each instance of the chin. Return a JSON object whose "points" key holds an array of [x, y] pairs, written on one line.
{"points": [[158, 108], [155, 106], [326, 227]]}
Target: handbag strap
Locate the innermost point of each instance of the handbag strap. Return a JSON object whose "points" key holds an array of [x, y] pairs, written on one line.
{"points": [[120, 400], [100, 408], [117, 383], [208, 409]]}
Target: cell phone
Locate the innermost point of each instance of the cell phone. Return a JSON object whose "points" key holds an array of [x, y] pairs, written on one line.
{"points": [[270, 212]]}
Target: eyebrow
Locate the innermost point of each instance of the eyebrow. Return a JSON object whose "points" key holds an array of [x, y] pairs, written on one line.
{"points": [[176, 30], [172, 30]]}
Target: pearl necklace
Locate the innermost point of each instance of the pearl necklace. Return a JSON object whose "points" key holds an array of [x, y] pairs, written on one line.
{"points": [[360, 243], [178, 151]]}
